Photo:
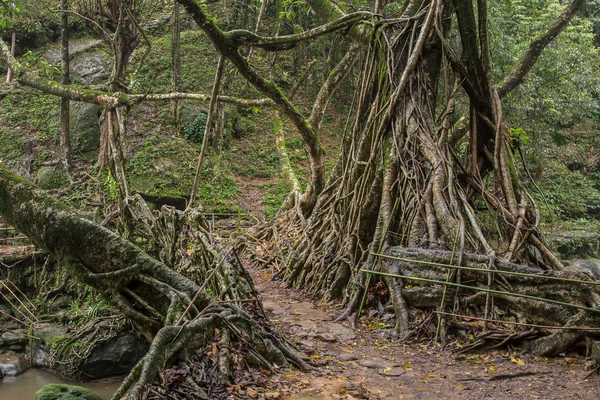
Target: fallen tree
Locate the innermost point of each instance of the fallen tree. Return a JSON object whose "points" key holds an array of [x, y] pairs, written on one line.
{"points": [[174, 313]]}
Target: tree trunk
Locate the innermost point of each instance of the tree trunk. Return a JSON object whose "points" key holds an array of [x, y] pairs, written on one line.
{"points": [[176, 68], [13, 44], [65, 136]]}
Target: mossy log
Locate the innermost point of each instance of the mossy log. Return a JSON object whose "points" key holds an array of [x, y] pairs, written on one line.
{"points": [[172, 311]]}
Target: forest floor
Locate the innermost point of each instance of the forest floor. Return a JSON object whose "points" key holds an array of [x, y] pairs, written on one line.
{"points": [[365, 364]]}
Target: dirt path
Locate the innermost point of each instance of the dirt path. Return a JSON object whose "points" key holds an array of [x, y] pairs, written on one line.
{"points": [[366, 364]]}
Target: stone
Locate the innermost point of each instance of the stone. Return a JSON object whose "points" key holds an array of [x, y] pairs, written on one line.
{"points": [[75, 47], [52, 178], [115, 357], [189, 112], [347, 357], [91, 67], [575, 243], [325, 337], [47, 334], [56, 391], [14, 338], [589, 265], [13, 364], [596, 352], [378, 363], [395, 371], [84, 125]]}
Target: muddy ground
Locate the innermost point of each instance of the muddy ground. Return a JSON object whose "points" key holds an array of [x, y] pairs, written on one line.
{"points": [[365, 364]]}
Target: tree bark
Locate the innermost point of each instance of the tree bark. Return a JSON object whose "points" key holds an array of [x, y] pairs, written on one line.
{"points": [[13, 44], [175, 56], [65, 135]]}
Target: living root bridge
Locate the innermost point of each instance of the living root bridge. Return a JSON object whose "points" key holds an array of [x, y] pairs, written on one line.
{"points": [[173, 312], [496, 289]]}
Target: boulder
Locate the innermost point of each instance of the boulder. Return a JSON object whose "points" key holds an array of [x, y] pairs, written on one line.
{"points": [[115, 357], [54, 391], [13, 364], [91, 67], [589, 265], [52, 178], [84, 126], [14, 338], [575, 244], [47, 334]]}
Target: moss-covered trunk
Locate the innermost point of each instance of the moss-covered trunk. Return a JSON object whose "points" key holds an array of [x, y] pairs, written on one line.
{"points": [[175, 313]]}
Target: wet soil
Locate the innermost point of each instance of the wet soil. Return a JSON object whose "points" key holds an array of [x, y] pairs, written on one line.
{"points": [[365, 363]]}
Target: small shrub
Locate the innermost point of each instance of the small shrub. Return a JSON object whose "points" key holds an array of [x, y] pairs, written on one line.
{"points": [[194, 132]]}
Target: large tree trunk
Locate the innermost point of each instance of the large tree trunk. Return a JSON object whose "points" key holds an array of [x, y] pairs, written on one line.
{"points": [[175, 313]]}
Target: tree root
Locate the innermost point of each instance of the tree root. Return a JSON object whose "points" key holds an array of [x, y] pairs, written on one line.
{"points": [[576, 296]]}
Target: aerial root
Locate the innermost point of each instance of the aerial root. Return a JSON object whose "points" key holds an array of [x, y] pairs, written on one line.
{"points": [[221, 331]]}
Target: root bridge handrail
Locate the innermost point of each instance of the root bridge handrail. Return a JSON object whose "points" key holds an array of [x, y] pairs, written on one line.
{"points": [[487, 271], [459, 285]]}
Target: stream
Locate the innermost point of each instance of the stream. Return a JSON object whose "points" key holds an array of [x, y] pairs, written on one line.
{"points": [[24, 386]]}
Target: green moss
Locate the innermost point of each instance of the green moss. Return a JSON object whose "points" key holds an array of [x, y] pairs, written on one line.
{"points": [[33, 112], [56, 391], [11, 146]]}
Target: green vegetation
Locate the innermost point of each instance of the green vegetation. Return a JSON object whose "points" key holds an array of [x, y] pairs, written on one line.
{"points": [[11, 146], [195, 131], [275, 194]]}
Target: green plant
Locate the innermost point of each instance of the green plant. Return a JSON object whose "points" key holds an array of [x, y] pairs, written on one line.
{"points": [[194, 132]]}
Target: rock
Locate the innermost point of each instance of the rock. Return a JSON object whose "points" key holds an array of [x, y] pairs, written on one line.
{"points": [[378, 363], [252, 393], [84, 126], [590, 265], [60, 302], [75, 47], [395, 371], [596, 352], [326, 337], [115, 357], [16, 347], [347, 357], [13, 365], [47, 334], [55, 391], [189, 112], [51, 178], [91, 67], [272, 395], [575, 244], [14, 338]]}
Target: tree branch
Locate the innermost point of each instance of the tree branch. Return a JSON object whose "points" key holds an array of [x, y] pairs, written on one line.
{"points": [[245, 37], [537, 45]]}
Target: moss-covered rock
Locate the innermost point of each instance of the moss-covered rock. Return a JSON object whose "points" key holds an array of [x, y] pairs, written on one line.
{"points": [[85, 127], [52, 178], [56, 391], [575, 244]]}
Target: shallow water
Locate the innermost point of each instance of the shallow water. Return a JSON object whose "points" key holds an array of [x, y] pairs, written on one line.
{"points": [[24, 386]]}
